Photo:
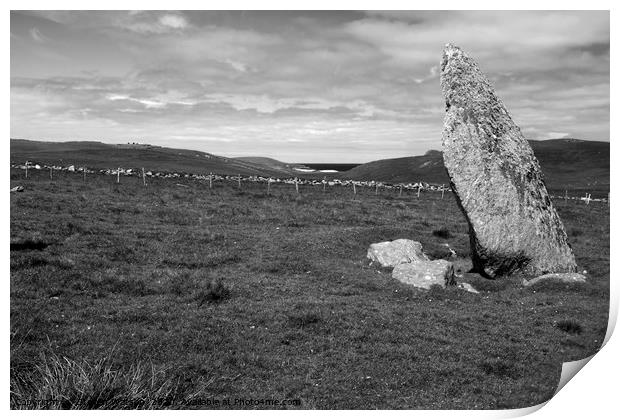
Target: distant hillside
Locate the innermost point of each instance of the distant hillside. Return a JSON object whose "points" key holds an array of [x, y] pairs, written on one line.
{"points": [[98, 155], [566, 163], [427, 168], [340, 167], [267, 162]]}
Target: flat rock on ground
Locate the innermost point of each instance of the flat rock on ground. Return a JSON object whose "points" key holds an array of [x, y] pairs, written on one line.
{"points": [[424, 274], [498, 182], [563, 277], [392, 253]]}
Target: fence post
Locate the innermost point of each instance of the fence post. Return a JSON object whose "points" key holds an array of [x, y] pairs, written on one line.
{"points": [[324, 184], [269, 186], [84, 173], [400, 192], [50, 172], [354, 190], [210, 180], [419, 188], [143, 177], [442, 190], [376, 189], [239, 181], [26, 169], [565, 196], [586, 198], [118, 176], [296, 186]]}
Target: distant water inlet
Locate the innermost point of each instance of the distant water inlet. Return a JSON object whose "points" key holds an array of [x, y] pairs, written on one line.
{"points": [[327, 167]]}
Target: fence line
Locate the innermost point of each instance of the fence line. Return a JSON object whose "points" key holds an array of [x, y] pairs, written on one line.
{"points": [[419, 186]]}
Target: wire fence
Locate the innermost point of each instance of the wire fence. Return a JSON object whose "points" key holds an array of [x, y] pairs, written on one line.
{"points": [[212, 179]]}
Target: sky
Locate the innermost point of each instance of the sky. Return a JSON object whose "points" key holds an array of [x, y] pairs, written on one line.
{"points": [[298, 86]]}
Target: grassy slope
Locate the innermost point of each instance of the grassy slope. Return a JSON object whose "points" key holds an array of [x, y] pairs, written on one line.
{"points": [[307, 318], [265, 161], [102, 155], [572, 164]]}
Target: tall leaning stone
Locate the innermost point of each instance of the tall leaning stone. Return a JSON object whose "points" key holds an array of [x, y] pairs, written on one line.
{"points": [[513, 226]]}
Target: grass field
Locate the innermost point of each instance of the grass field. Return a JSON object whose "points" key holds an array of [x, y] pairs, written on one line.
{"points": [[168, 296]]}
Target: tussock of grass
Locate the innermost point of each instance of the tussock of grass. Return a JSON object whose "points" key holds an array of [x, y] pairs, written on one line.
{"points": [[442, 232], [215, 292], [304, 319], [60, 383], [499, 367], [569, 326], [29, 244]]}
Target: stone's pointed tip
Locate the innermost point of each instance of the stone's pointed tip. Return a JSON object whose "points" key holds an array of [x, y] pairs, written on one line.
{"points": [[449, 47], [450, 52]]}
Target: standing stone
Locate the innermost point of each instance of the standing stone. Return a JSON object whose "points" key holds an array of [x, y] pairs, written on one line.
{"points": [[513, 226]]}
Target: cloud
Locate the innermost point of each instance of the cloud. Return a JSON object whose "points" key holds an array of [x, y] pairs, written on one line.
{"points": [[37, 35], [147, 22], [237, 65], [173, 21]]}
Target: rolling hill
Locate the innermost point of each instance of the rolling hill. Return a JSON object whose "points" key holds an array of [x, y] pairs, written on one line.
{"points": [[267, 162], [99, 155], [566, 163]]}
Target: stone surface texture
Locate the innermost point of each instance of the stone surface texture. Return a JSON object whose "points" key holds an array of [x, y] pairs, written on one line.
{"points": [[498, 182], [424, 274], [392, 253]]}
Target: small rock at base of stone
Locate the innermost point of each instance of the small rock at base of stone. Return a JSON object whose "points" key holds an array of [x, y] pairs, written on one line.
{"points": [[390, 254], [467, 287], [563, 277], [424, 274]]}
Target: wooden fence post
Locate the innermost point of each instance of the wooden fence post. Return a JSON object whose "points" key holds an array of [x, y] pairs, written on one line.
{"points": [[400, 192], [442, 190], [239, 181], [419, 188], [376, 189], [586, 198], [26, 169], [296, 186], [84, 173], [210, 180], [143, 177], [354, 190], [565, 196], [269, 186], [50, 172], [324, 184]]}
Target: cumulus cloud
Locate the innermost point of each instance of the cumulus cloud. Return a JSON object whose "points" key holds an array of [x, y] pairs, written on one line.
{"points": [[173, 21]]}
